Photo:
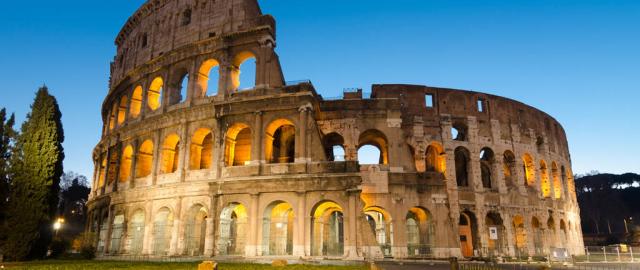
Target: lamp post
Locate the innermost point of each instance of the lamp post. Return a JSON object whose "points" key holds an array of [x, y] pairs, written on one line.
{"points": [[58, 225]]}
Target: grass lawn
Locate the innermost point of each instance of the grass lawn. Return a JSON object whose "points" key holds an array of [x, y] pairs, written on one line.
{"points": [[102, 265]]}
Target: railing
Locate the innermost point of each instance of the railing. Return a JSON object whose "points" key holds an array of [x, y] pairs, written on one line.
{"points": [[613, 253], [419, 251], [296, 82]]}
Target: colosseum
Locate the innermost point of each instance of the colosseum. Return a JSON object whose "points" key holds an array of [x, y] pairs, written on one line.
{"points": [[191, 164]]}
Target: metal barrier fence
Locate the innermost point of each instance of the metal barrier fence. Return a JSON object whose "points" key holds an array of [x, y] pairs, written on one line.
{"points": [[616, 253]]}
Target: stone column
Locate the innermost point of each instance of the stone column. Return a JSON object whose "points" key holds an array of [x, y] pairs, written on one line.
{"points": [[107, 240], [350, 226], [134, 159], [148, 229], [254, 225], [498, 175], [475, 175], [301, 141], [299, 228], [256, 144], [106, 172], [507, 222], [156, 157], [175, 230], [184, 150]]}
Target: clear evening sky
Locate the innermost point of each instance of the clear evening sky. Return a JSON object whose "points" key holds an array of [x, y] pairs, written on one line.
{"points": [[578, 60]]}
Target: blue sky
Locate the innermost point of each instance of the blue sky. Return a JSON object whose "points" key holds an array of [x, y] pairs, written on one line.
{"points": [[577, 60]]}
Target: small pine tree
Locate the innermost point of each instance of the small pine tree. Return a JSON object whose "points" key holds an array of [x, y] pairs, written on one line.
{"points": [[6, 139], [36, 168]]}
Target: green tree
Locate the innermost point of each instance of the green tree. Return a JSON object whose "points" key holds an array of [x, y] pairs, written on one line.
{"points": [[7, 135], [36, 168]]}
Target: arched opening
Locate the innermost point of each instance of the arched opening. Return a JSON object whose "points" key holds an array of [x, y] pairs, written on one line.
{"points": [[571, 186], [117, 230], [178, 86], [544, 180], [459, 131], [280, 141], [238, 145], [529, 170], [468, 227], [233, 230], [112, 116], [208, 78], [537, 236], [373, 148], [162, 228], [557, 184], [551, 229], [435, 158], [496, 234], [420, 232], [381, 227], [170, 152], [487, 159], [462, 157], [520, 236], [125, 164], [334, 147], [277, 229], [136, 102], [104, 233], [540, 144], [186, 17], [195, 230], [509, 168], [135, 232], [327, 230], [154, 95], [144, 161], [563, 229], [201, 152], [122, 110], [102, 173], [243, 76]]}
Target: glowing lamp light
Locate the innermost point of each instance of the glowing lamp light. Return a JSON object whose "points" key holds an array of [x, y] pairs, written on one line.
{"points": [[279, 225], [58, 224]]}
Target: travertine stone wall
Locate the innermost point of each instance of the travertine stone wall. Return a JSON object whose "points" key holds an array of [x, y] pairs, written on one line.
{"points": [[274, 170]]}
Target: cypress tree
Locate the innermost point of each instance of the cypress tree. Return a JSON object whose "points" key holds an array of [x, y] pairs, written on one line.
{"points": [[36, 168], [6, 139]]}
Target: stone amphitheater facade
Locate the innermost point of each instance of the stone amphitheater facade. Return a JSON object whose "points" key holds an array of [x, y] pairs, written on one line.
{"points": [[190, 165]]}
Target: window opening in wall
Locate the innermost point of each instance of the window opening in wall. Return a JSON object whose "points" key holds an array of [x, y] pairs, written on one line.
{"points": [[214, 77], [184, 86], [248, 74], [186, 17], [428, 100], [480, 105], [338, 153], [368, 155], [145, 40]]}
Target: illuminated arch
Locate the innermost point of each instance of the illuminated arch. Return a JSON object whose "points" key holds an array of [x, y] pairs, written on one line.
{"points": [[201, 152], [102, 173], [206, 72], [195, 230], [136, 102], [377, 139], [280, 141], [519, 234], [545, 186], [468, 232], [170, 153], [154, 94], [233, 230], [125, 164], [381, 227], [327, 229], [112, 116], [509, 168], [240, 59], [529, 170], [420, 231], [277, 229], [238, 145], [537, 236], [144, 161], [436, 160], [493, 220], [557, 183], [122, 110]]}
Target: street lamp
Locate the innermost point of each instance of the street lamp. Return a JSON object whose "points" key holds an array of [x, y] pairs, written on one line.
{"points": [[58, 225]]}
